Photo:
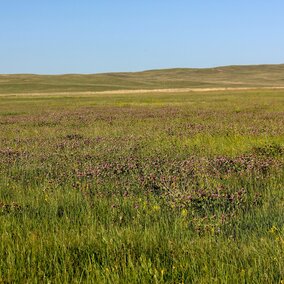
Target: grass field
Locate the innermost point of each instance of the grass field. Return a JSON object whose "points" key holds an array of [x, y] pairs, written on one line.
{"points": [[142, 188]]}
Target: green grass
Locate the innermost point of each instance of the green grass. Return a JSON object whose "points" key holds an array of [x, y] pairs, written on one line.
{"points": [[142, 188], [230, 76]]}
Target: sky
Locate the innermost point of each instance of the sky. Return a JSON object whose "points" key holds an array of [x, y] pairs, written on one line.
{"points": [[94, 36]]}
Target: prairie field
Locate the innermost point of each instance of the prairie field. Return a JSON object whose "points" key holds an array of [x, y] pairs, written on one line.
{"points": [[162, 187]]}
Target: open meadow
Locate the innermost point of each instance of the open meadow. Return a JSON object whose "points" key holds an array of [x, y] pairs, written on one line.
{"points": [[163, 187]]}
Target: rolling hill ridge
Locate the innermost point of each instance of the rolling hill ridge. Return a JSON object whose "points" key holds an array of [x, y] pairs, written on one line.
{"points": [[218, 77]]}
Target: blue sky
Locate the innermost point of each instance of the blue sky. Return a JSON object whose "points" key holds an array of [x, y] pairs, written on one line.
{"points": [[91, 36]]}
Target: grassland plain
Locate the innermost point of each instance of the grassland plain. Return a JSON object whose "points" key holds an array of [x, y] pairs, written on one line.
{"points": [[142, 188]]}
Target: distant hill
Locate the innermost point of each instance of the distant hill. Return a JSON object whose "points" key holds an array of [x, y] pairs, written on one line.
{"points": [[228, 76]]}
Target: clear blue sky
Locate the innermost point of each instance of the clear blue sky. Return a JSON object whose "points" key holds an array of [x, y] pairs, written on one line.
{"points": [[91, 36]]}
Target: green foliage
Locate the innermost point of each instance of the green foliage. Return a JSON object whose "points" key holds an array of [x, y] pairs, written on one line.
{"points": [[142, 188]]}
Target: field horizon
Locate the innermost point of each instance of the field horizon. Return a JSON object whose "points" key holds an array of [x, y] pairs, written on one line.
{"points": [[121, 161], [235, 76], [135, 178]]}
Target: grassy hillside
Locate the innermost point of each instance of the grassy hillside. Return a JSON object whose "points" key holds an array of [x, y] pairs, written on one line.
{"points": [[230, 76]]}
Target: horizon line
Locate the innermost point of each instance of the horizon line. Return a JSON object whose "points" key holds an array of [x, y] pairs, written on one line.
{"points": [[145, 70]]}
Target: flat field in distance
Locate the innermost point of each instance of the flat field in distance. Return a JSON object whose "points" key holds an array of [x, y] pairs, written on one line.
{"points": [[157, 187]]}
